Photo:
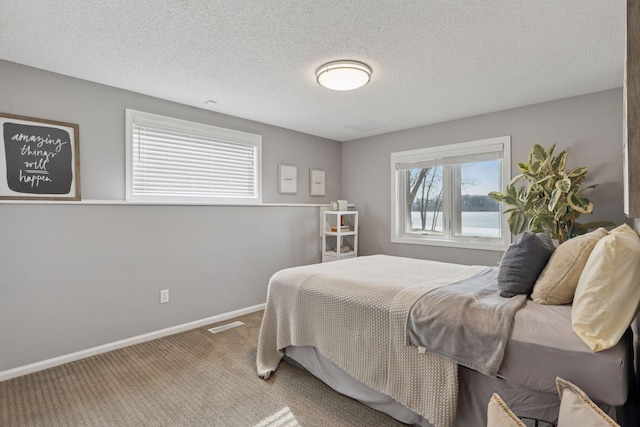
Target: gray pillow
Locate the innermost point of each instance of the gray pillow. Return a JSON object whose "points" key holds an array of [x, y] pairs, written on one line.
{"points": [[522, 263]]}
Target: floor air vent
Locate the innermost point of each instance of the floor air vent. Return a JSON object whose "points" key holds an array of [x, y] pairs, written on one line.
{"points": [[225, 327]]}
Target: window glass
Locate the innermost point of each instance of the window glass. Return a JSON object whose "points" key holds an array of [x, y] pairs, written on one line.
{"points": [[424, 197], [480, 215]]}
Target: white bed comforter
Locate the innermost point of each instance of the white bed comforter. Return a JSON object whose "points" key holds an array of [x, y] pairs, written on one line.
{"points": [[354, 312]]}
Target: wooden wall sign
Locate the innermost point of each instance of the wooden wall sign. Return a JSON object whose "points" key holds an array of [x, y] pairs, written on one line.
{"points": [[631, 113], [39, 159]]}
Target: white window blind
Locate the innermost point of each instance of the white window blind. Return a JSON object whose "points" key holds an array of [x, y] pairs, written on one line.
{"points": [[493, 153], [173, 159]]}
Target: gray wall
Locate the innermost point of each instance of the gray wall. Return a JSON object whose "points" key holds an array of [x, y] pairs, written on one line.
{"points": [[589, 127], [74, 276]]}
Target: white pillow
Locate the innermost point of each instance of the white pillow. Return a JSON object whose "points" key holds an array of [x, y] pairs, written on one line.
{"points": [[499, 414], [576, 409], [558, 281], [608, 292]]}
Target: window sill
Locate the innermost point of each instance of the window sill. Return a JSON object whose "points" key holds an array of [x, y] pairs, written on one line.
{"points": [[471, 243]]}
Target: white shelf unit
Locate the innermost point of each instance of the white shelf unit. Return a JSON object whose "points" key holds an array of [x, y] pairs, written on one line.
{"points": [[335, 238]]}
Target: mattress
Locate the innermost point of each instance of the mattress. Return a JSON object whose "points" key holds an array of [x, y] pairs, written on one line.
{"points": [[543, 346]]}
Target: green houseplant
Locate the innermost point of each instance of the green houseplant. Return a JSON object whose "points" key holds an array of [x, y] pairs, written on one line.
{"points": [[551, 199]]}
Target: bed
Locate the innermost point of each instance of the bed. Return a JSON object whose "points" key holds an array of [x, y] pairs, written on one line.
{"points": [[349, 324]]}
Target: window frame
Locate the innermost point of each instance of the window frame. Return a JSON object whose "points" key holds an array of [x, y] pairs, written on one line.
{"points": [[448, 238], [214, 132]]}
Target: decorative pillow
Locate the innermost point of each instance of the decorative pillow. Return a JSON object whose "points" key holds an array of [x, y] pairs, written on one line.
{"points": [[499, 414], [522, 263], [557, 282], [576, 409], [608, 292]]}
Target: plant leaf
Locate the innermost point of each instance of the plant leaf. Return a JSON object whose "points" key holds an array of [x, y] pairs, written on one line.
{"points": [[516, 222], [579, 229], [563, 185], [548, 222], [560, 211], [522, 194], [555, 197], [534, 224], [548, 186], [511, 201], [560, 161], [515, 179], [577, 171], [540, 203], [535, 166], [528, 203], [579, 203], [539, 153], [524, 167], [543, 180], [502, 197], [597, 224], [545, 166], [589, 187], [497, 195], [550, 150]]}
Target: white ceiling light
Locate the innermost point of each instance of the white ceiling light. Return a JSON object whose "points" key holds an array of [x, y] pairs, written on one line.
{"points": [[343, 75]]}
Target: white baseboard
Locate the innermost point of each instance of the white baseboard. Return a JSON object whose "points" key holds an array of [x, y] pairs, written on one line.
{"points": [[60, 360]]}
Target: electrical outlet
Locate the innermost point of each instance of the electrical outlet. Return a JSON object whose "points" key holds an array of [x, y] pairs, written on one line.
{"points": [[164, 296]]}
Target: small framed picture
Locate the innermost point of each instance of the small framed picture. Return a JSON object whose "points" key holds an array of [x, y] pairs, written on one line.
{"points": [[317, 182], [287, 179]]}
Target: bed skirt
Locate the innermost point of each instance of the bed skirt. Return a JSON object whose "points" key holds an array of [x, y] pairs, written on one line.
{"points": [[475, 390]]}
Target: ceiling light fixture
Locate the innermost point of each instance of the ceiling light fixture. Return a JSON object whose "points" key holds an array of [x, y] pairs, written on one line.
{"points": [[343, 75]]}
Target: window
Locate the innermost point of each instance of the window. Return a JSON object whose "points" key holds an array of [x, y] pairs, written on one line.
{"points": [[171, 160], [439, 195]]}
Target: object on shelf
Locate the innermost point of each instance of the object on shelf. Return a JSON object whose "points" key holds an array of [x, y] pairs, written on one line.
{"points": [[342, 205], [334, 206], [343, 228], [343, 249]]}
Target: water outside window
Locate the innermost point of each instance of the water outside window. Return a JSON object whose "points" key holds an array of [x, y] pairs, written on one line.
{"points": [[480, 216]]}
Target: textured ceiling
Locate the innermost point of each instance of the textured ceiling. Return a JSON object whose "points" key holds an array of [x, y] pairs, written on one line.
{"points": [[432, 60]]}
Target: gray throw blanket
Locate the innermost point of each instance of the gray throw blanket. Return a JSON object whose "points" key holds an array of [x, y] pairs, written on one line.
{"points": [[467, 322]]}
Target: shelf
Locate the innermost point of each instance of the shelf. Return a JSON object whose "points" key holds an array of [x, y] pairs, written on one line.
{"points": [[339, 255], [342, 212], [342, 233], [339, 239]]}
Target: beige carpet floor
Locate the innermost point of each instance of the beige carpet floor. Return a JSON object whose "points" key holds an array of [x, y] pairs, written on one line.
{"points": [[193, 378]]}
